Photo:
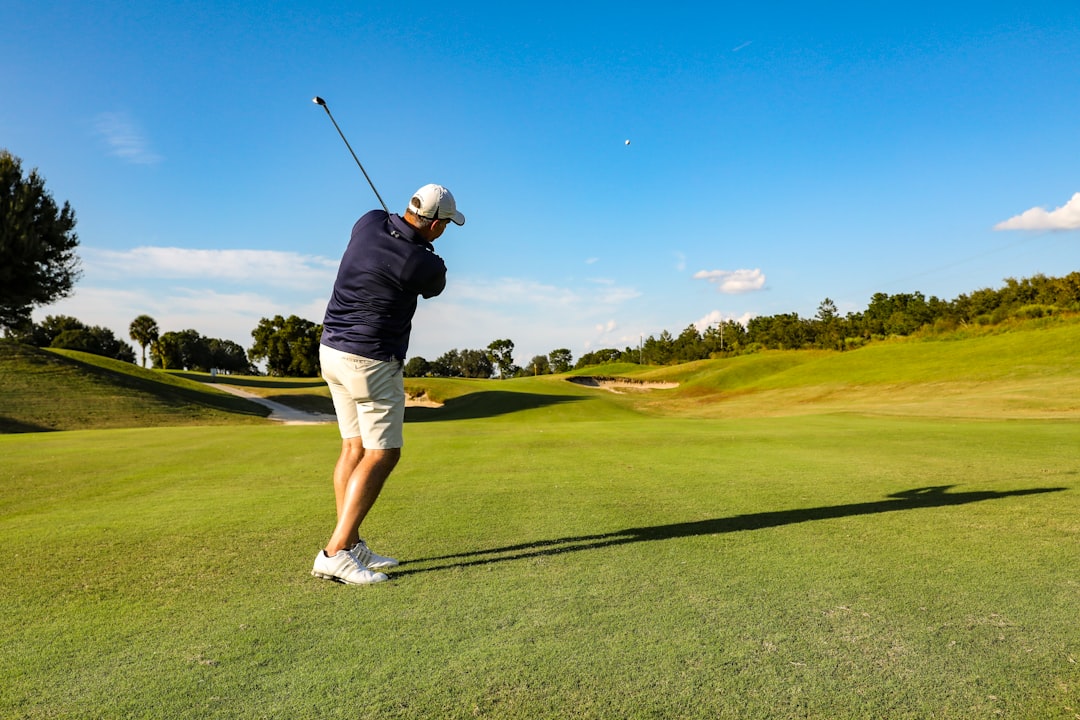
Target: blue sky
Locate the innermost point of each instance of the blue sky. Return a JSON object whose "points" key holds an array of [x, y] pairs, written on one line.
{"points": [[779, 154]]}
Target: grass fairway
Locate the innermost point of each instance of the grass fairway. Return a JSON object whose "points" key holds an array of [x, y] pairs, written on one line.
{"points": [[887, 533], [570, 559]]}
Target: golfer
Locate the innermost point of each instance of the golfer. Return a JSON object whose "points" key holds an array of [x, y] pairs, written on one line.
{"points": [[389, 262]]}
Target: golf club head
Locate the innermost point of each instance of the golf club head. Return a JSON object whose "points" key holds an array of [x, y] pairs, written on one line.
{"points": [[318, 101]]}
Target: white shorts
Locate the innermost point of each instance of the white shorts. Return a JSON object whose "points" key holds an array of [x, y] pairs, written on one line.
{"points": [[369, 397]]}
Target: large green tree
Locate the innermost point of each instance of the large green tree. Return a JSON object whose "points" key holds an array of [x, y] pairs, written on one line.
{"points": [[447, 365], [501, 354], [599, 357], [144, 331], [463, 363], [476, 364], [290, 346], [560, 360], [228, 356], [417, 367], [539, 365], [166, 352], [67, 333], [828, 325], [38, 264]]}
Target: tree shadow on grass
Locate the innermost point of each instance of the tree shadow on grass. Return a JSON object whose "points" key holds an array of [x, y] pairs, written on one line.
{"points": [[486, 404], [171, 395], [919, 498], [248, 380], [11, 426]]}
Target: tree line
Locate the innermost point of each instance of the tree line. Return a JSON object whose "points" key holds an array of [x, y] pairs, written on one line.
{"points": [[902, 314], [38, 265], [497, 360], [289, 346]]}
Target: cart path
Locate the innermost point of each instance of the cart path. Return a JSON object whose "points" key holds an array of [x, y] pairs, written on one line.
{"points": [[280, 412]]}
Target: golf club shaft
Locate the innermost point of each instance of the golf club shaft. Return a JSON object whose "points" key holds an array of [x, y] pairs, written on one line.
{"points": [[320, 101]]}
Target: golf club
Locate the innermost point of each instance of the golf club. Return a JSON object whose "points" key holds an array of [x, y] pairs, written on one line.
{"points": [[319, 101]]}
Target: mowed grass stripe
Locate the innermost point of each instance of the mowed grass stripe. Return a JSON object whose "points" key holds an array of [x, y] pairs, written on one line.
{"points": [[641, 567]]}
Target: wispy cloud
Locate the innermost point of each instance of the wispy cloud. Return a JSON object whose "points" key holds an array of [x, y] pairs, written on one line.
{"points": [[742, 46], [257, 267], [512, 291], [508, 292], [733, 282], [1066, 217], [125, 138]]}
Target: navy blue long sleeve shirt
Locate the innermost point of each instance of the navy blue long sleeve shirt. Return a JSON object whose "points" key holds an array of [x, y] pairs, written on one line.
{"points": [[385, 268]]}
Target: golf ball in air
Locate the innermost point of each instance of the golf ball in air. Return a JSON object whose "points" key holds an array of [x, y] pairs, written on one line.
{"points": [[627, 142]]}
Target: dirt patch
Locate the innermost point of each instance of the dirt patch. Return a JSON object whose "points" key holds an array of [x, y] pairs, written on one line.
{"points": [[620, 385]]}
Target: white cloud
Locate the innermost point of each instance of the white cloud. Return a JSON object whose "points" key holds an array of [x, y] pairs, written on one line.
{"points": [[716, 316], [1066, 217], [125, 139], [608, 327], [262, 267], [733, 282], [510, 292]]}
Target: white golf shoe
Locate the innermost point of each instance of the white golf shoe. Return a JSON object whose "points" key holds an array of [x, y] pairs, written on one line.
{"points": [[343, 567], [370, 560]]}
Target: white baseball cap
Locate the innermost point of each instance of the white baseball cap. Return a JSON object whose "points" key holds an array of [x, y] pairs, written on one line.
{"points": [[436, 202]]}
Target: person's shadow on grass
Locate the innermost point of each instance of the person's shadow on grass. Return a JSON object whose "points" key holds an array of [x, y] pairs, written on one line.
{"points": [[918, 498]]}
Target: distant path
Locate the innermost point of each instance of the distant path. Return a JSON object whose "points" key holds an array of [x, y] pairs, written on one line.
{"points": [[280, 412]]}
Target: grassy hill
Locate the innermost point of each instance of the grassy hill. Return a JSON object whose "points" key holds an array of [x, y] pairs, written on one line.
{"points": [[69, 390], [1031, 371]]}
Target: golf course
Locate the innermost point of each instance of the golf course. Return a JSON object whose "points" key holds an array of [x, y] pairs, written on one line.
{"points": [[890, 532]]}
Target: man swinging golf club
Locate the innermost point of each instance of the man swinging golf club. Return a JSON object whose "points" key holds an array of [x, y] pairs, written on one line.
{"points": [[389, 262]]}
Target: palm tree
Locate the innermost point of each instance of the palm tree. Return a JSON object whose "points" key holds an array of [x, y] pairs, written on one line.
{"points": [[144, 330]]}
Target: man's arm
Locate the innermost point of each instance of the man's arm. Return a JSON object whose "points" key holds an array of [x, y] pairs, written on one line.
{"points": [[426, 274]]}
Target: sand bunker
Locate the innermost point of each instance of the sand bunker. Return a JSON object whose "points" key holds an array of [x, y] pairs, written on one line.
{"points": [[421, 400], [619, 385]]}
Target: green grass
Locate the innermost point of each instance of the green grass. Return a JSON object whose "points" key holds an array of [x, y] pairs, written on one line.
{"points": [[570, 552], [1032, 373], [641, 567], [69, 390]]}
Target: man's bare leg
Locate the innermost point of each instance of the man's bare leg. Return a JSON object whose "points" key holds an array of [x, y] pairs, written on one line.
{"points": [[352, 451], [360, 492]]}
